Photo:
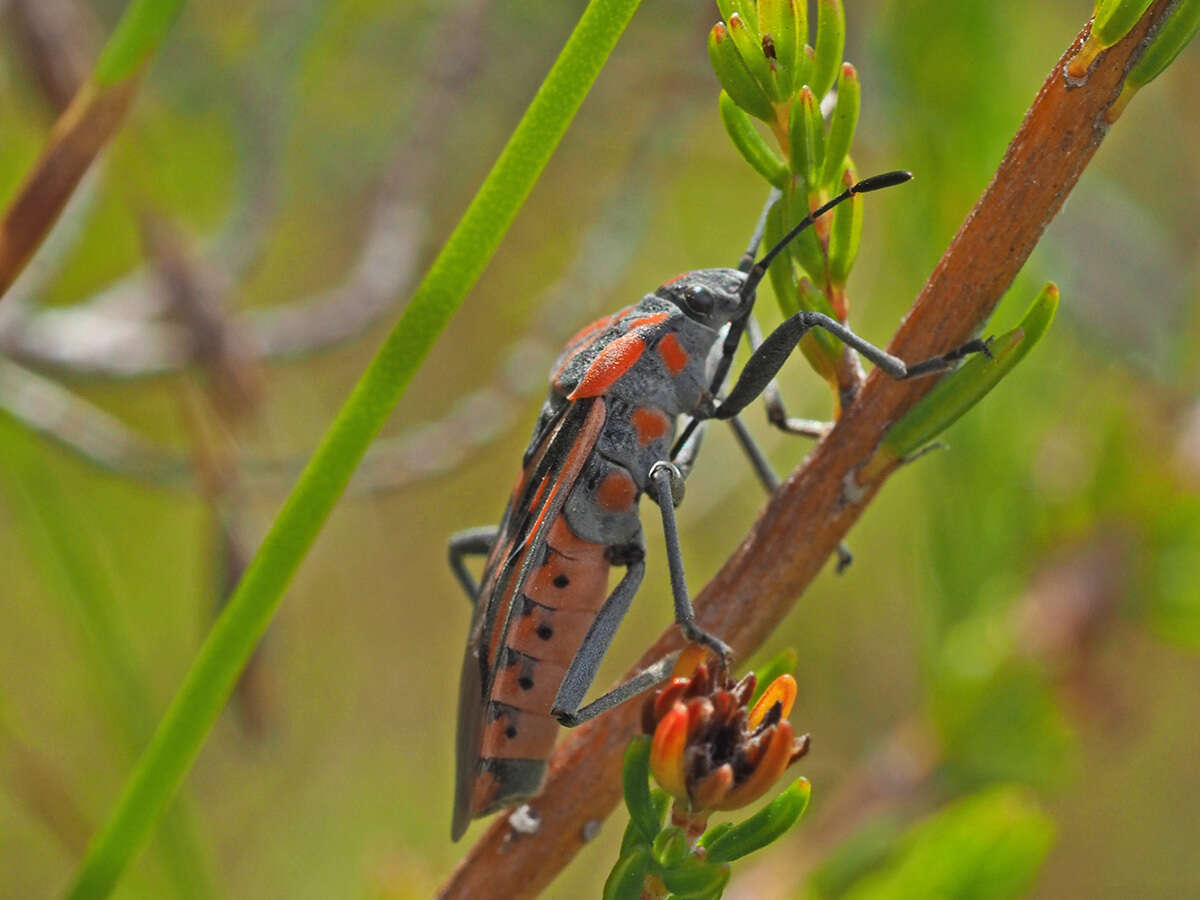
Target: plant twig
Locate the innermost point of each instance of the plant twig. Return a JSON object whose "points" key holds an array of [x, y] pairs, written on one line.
{"points": [[817, 505], [81, 132]]}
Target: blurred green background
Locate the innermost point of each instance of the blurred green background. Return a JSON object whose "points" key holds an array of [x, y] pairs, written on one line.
{"points": [[1009, 669]]}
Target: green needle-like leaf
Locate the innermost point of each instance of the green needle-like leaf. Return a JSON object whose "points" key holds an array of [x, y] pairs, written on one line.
{"points": [[751, 144], [635, 777], [696, 878], [734, 77], [671, 846], [841, 126], [1175, 34], [779, 19], [1114, 18], [715, 832], [628, 875], [764, 827], [805, 248], [750, 49], [845, 236], [830, 45], [806, 132], [138, 34], [959, 391]]}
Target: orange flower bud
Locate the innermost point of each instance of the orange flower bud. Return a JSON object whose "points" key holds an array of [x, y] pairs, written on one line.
{"points": [[709, 750]]}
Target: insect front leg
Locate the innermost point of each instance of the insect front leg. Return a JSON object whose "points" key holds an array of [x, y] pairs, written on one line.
{"points": [[582, 671], [471, 542], [769, 358], [777, 414], [668, 491]]}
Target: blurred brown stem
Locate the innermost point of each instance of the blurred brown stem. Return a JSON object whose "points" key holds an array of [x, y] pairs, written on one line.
{"points": [[74, 142], [816, 506]]}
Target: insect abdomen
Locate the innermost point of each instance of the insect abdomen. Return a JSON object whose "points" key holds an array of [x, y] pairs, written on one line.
{"points": [[550, 618]]}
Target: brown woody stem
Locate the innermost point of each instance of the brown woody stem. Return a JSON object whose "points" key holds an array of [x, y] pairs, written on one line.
{"points": [[78, 136], [815, 507]]}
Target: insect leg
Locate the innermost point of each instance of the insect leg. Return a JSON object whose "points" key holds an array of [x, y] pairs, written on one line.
{"points": [[770, 357], [668, 484], [746, 263], [773, 400], [758, 460], [770, 481], [472, 542], [582, 671], [686, 457]]}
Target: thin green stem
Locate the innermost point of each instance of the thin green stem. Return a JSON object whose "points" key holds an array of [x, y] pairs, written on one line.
{"points": [[213, 673], [137, 36]]}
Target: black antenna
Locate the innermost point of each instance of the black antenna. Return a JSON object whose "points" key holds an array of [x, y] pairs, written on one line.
{"points": [[759, 269], [874, 183]]}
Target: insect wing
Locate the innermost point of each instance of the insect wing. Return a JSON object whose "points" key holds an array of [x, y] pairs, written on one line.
{"points": [[551, 472]]}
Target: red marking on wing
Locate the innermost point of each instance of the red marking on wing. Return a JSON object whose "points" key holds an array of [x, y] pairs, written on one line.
{"points": [[679, 277], [652, 319], [649, 424], [582, 337], [614, 361], [672, 353], [599, 325], [537, 497]]}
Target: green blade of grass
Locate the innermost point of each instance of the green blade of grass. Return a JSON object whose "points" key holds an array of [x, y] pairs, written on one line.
{"points": [[138, 34], [233, 637]]}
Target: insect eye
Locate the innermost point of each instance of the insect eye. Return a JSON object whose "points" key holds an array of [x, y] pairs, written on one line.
{"points": [[699, 301]]}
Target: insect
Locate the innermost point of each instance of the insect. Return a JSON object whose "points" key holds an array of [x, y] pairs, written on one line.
{"points": [[543, 616]]}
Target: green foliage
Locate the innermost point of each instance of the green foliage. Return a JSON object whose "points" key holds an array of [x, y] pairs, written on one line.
{"points": [[868, 849], [1175, 34], [242, 623], [625, 880], [986, 847], [763, 828], [1174, 607], [138, 34], [841, 126], [958, 392], [751, 145], [1114, 18], [830, 44], [994, 712], [642, 814]]}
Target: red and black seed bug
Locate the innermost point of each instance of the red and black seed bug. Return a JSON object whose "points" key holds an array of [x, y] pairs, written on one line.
{"points": [[542, 620]]}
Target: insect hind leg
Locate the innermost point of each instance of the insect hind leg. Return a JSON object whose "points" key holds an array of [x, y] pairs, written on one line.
{"points": [[471, 542], [582, 670]]}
